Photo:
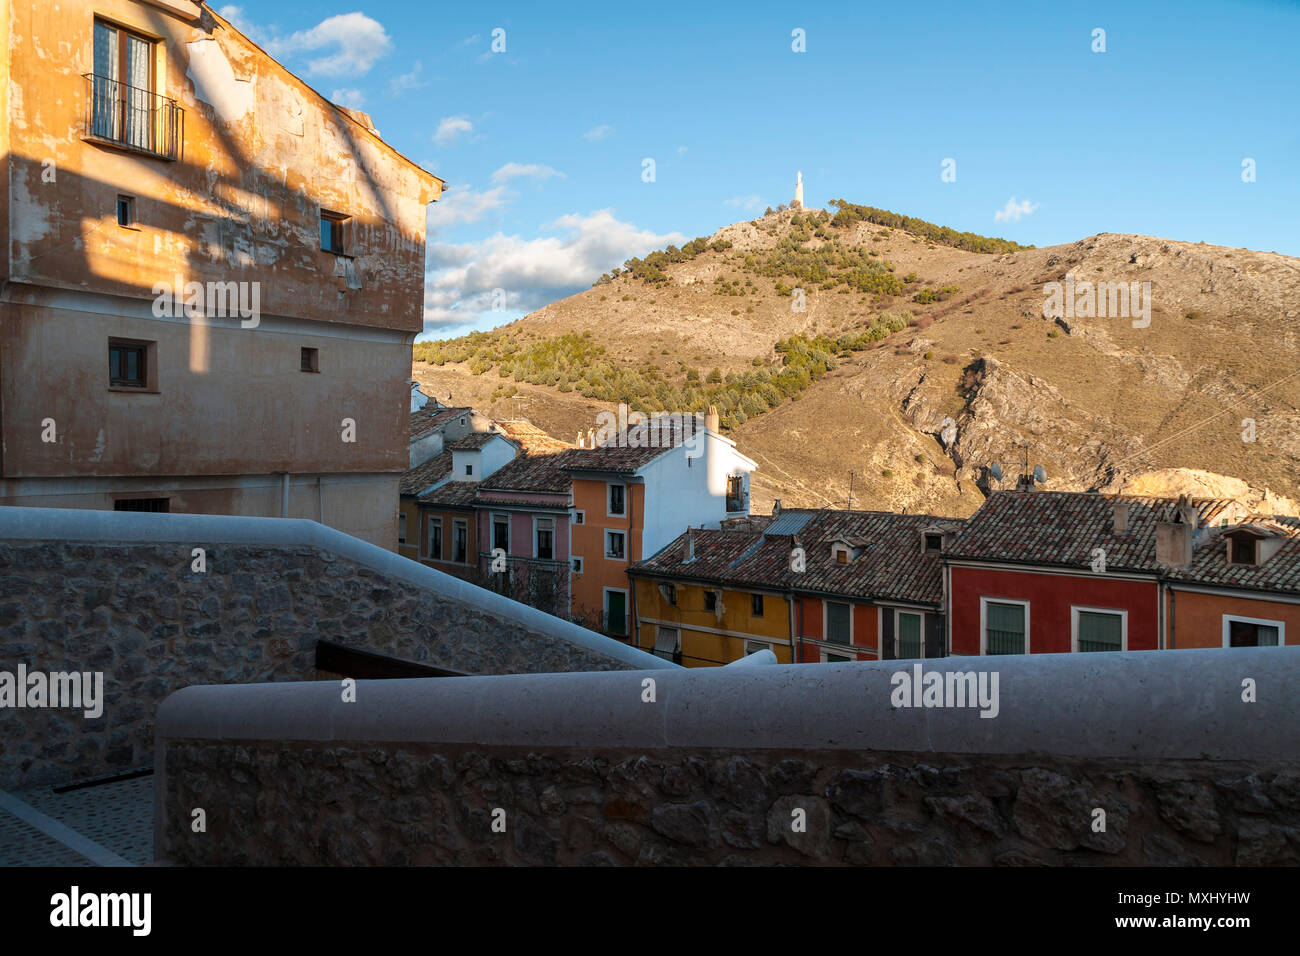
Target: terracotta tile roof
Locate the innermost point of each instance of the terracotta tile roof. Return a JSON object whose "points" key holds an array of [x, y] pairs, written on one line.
{"points": [[531, 473], [472, 441], [422, 476], [456, 494], [1061, 529], [430, 419], [531, 438], [891, 565], [1279, 573], [619, 455]]}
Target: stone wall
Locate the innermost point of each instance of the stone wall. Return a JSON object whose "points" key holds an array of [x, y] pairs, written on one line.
{"points": [[410, 804], [139, 613], [1100, 759]]}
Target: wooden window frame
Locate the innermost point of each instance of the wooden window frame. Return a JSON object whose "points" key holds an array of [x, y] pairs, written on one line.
{"points": [[150, 358]]}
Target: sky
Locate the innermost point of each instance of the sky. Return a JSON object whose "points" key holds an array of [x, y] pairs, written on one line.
{"points": [[574, 136]]}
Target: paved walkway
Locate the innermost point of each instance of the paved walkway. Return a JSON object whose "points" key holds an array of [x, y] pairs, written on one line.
{"points": [[105, 824]]}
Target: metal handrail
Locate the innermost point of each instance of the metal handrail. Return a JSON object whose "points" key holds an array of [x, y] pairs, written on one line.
{"points": [[130, 117]]}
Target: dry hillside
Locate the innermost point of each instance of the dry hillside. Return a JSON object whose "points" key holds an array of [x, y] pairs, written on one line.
{"points": [[1098, 403]]}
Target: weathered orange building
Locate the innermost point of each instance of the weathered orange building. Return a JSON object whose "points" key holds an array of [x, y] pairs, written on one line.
{"points": [[213, 275]]}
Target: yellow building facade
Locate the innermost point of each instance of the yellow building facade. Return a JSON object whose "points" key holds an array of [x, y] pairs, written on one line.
{"points": [[703, 625]]}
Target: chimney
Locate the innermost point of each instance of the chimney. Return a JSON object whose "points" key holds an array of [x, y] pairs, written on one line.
{"points": [[776, 507], [580, 437], [1120, 513], [711, 419], [591, 438], [1174, 539], [690, 546]]}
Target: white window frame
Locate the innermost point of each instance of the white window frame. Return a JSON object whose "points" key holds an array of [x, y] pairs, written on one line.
{"points": [[898, 612], [614, 514], [575, 568], [493, 539], [984, 631], [852, 656], [554, 545], [826, 621], [627, 610], [1229, 618], [766, 646], [579, 516], [610, 557], [1074, 624]]}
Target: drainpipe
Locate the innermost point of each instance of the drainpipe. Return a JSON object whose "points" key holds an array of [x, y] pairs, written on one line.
{"points": [[1160, 615], [631, 512], [636, 619], [320, 508], [284, 495], [1173, 606], [789, 600]]}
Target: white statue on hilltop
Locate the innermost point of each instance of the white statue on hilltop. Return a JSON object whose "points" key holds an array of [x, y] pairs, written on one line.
{"points": [[798, 191]]}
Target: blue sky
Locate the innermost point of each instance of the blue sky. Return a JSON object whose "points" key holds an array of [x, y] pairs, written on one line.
{"points": [[544, 143]]}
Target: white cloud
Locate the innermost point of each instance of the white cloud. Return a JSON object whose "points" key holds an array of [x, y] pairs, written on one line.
{"points": [[352, 98], [681, 150], [1013, 210], [450, 128], [464, 205], [598, 132], [743, 202], [519, 170], [533, 272], [407, 81], [356, 40]]}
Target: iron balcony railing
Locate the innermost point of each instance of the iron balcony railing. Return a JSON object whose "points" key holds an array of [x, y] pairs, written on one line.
{"points": [[132, 118]]}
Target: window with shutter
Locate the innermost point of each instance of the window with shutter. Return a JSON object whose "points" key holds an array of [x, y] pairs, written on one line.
{"points": [[1004, 627]]}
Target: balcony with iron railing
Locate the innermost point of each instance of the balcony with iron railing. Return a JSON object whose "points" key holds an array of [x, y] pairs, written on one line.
{"points": [[131, 118]]}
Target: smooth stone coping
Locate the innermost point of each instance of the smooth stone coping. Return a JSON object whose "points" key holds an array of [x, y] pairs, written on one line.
{"points": [[198, 531], [1143, 704]]}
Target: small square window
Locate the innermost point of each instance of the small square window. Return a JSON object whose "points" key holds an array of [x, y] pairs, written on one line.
{"points": [[469, 469], [580, 517], [128, 365], [309, 360], [757, 605], [126, 210], [1242, 550], [933, 542], [331, 232], [577, 565]]}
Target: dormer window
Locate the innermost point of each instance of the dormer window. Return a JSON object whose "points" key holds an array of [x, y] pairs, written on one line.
{"points": [[933, 543], [840, 553], [1241, 550]]}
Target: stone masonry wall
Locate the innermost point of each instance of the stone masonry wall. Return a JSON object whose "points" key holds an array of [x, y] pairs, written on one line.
{"points": [[275, 803], [152, 625]]}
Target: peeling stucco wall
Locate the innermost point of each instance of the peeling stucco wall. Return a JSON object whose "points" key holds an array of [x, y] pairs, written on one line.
{"points": [[261, 155]]}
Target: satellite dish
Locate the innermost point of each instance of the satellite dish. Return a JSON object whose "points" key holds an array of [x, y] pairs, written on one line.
{"points": [[1040, 475], [996, 472]]}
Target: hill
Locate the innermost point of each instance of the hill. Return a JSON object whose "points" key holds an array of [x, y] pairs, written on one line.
{"points": [[921, 357]]}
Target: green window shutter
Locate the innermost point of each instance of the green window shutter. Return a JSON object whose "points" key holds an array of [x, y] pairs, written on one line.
{"points": [[837, 623], [1100, 632], [1005, 628], [909, 636]]}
